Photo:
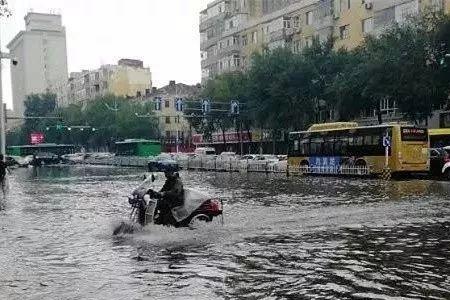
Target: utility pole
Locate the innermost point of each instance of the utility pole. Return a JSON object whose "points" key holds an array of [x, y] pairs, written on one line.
{"points": [[2, 109]]}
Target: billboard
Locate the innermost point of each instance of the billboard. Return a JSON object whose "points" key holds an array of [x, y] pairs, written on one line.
{"points": [[36, 138]]}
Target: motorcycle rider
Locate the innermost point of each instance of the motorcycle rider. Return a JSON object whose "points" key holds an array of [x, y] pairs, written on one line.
{"points": [[171, 195]]}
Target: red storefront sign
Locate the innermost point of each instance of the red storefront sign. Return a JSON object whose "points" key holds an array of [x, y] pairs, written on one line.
{"points": [[36, 138], [217, 138]]}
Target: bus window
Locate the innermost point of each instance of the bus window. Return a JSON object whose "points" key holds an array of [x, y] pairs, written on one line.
{"points": [[359, 140], [328, 146], [305, 147], [316, 147]]}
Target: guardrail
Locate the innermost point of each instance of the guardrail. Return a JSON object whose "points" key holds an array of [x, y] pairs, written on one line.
{"points": [[331, 170], [235, 165]]}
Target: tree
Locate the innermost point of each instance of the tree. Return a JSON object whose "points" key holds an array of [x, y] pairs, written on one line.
{"points": [[4, 10]]}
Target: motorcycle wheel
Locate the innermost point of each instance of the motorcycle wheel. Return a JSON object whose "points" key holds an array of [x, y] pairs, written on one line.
{"points": [[199, 220]]}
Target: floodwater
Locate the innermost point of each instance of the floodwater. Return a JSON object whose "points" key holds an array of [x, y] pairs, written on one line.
{"points": [[283, 238]]}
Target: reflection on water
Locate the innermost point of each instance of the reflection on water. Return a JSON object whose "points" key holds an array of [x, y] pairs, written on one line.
{"points": [[284, 238]]}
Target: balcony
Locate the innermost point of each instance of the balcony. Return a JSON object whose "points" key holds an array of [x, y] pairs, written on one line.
{"points": [[284, 34], [236, 48], [208, 22], [209, 61], [324, 22]]}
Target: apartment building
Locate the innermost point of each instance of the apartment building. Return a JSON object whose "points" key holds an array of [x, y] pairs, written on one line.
{"points": [[41, 53], [232, 30], [129, 78], [168, 106]]}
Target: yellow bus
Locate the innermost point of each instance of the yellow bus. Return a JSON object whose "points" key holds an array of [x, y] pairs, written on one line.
{"points": [[439, 137], [347, 148]]}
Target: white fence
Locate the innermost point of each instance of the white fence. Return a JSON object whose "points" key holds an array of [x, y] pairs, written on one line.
{"points": [[235, 164]]}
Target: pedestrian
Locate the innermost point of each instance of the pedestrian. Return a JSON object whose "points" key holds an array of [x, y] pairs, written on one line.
{"points": [[3, 169]]}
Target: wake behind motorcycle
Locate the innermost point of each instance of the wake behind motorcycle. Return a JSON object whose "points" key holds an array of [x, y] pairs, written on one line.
{"points": [[198, 207]]}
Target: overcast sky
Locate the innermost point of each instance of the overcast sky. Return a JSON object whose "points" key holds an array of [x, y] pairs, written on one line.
{"points": [[163, 33]]}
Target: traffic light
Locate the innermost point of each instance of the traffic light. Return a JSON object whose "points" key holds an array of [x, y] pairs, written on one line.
{"points": [[158, 103], [178, 104], [234, 107], [206, 106]]}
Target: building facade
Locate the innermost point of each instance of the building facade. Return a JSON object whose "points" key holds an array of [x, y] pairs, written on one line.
{"points": [[232, 30], [173, 125], [41, 53], [129, 78]]}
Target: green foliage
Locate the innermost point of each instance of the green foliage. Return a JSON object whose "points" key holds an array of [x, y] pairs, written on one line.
{"points": [[286, 91], [104, 120], [4, 10], [220, 92]]}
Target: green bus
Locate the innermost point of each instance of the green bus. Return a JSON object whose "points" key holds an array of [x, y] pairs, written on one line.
{"points": [[138, 147], [25, 150]]}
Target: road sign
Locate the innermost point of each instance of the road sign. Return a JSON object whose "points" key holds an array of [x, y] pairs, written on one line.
{"points": [[206, 106], [386, 141], [158, 101], [234, 107], [179, 104]]}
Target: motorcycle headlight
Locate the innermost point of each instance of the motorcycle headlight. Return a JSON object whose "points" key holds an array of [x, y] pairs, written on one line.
{"points": [[147, 198]]}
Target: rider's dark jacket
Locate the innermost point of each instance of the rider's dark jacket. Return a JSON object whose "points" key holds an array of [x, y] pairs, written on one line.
{"points": [[172, 192]]}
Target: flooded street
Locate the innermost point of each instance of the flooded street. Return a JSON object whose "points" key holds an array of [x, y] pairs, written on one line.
{"points": [[283, 238]]}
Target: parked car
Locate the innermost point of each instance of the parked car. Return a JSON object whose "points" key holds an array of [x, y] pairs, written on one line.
{"points": [[73, 158], [10, 161], [162, 163], [45, 158], [23, 161], [248, 157], [437, 160], [446, 168], [205, 151]]}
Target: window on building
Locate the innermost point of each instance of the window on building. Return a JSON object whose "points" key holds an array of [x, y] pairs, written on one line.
{"points": [[308, 41], [236, 60], [344, 32], [231, 24], [244, 40], [177, 119], [436, 5], [167, 120], [167, 104], [228, 42], [345, 5], [138, 94], [97, 88], [168, 134], [97, 76], [287, 23], [309, 18], [296, 48], [147, 92], [367, 25], [296, 22], [235, 40], [254, 37]]}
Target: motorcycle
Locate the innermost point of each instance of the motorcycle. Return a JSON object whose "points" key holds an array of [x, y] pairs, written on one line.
{"points": [[198, 208]]}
